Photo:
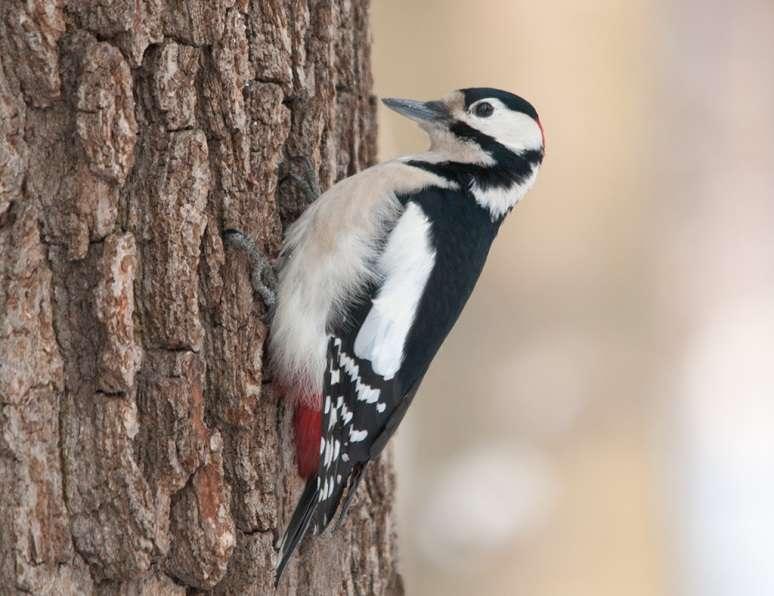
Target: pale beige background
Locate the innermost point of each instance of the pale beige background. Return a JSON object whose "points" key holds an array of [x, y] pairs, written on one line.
{"points": [[600, 420]]}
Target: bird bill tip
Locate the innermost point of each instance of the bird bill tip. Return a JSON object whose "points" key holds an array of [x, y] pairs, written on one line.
{"points": [[420, 111], [396, 103]]}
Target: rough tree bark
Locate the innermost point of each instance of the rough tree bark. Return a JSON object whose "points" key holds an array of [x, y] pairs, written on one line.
{"points": [[141, 449]]}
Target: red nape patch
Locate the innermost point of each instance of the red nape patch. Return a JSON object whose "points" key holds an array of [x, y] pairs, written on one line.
{"points": [[308, 425], [543, 134]]}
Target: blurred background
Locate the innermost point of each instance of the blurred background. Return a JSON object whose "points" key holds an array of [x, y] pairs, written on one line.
{"points": [[601, 420]]}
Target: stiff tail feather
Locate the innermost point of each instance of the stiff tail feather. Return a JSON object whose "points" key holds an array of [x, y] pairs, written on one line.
{"points": [[298, 526], [354, 482], [313, 513]]}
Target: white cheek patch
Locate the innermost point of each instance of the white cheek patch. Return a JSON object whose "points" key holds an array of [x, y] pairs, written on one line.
{"points": [[515, 130]]}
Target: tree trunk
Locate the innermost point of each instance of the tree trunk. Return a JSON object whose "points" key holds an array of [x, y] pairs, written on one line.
{"points": [[141, 449]]}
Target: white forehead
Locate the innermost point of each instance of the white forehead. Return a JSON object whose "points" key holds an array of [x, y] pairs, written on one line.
{"points": [[516, 130]]}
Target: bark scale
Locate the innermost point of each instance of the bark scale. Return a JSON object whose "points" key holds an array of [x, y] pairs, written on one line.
{"points": [[142, 451]]}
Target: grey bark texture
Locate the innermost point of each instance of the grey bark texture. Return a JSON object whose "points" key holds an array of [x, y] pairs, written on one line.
{"points": [[142, 451]]}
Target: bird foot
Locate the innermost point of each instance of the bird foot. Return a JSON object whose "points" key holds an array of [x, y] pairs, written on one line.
{"points": [[262, 275], [308, 181]]}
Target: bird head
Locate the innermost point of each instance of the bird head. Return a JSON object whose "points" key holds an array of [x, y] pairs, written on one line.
{"points": [[477, 125]]}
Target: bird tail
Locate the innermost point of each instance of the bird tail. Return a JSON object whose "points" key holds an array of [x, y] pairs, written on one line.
{"points": [[354, 482], [298, 526]]}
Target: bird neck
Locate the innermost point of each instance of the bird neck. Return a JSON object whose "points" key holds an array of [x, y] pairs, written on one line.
{"points": [[496, 186]]}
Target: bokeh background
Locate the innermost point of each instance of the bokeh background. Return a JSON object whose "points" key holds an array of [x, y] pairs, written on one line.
{"points": [[601, 420]]}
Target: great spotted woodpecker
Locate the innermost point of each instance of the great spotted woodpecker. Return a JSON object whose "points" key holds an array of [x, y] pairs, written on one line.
{"points": [[374, 275]]}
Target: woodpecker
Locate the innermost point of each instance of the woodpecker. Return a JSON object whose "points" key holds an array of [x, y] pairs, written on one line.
{"points": [[373, 276]]}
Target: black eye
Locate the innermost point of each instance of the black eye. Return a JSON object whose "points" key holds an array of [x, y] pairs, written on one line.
{"points": [[483, 109]]}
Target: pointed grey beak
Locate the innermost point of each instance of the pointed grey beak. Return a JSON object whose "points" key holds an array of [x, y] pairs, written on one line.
{"points": [[421, 111]]}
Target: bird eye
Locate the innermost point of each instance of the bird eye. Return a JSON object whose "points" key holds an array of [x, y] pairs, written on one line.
{"points": [[483, 109]]}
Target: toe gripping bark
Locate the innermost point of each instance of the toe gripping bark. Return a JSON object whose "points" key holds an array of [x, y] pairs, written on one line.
{"points": [[262, 275]]}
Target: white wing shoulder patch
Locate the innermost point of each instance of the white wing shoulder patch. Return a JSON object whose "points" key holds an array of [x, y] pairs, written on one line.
{"points": [[405, 266]]}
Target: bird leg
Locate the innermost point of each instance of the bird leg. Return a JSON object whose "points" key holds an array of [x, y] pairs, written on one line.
{"points": [[263, 278], [262, 275]]}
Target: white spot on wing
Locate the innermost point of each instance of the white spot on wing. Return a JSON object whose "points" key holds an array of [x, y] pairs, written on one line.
{"points": [[328, 454], [357, 435], [364, 392]]}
